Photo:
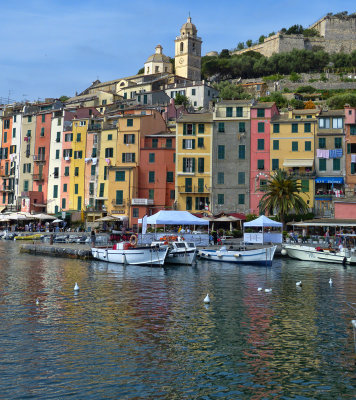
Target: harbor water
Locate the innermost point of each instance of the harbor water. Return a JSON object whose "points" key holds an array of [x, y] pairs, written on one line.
{"points": [[145, 333]]}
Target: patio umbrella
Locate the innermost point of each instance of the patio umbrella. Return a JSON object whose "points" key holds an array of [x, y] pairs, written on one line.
{"points": [[227, 218], [108, 218], [16, 217], [43, 217], [57, 221]]}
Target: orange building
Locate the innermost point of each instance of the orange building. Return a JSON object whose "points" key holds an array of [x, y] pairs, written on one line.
{"points": [[350, 137], [7, 173]]}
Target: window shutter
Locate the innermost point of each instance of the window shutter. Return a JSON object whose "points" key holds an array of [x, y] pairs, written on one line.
{"points": [[193, 165], [193, 129], [184, 164], [193, 143], [184, 129]]}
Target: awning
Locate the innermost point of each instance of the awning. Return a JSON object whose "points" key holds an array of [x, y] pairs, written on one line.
{"points": [[298, 163], [331, 179]]}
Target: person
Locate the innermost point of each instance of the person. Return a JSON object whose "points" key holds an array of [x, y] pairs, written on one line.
{"points": [[327, 236], [215, 237], [292, 236], [188, 230], [304, 235], [92, 235], [182, 230], [341, 247]]}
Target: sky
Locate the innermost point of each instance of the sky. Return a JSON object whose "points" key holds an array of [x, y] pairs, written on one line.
{"points": [[50, 48]]}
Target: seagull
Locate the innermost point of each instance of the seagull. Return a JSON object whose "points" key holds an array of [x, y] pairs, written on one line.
{"points": [[330, 281], [207, 299], [268, 290], [259, 289], [76, 287], [299, 283]]}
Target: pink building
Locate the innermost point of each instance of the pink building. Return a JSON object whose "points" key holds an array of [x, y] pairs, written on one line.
{"points": [[261, 115]]}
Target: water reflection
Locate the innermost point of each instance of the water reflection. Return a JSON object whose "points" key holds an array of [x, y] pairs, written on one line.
{"points": [[137, 332]]}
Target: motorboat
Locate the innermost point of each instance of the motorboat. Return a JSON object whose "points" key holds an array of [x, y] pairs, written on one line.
{"points": [[263, 255], [310, 253], [179, 251], [128, 253]]}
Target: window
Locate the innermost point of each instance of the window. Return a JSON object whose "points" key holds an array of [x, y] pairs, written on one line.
{"points": [[57, 154], [63, 203], [29, 133], [352, 129], [260, 113], [336, 164], [169, 176], [68, 137], [261, 127], [201, 128], [338, 143], [56, 172], [193, 92], [188, 203], [135, 212], [29, 118], [324, 123], [221, 152], [172, 194], [242, 127], [275, 128], [188, 129], [59, 122], [188, 144], [101, 189], [5, 137], [42, 132], [294, 146], [40, 188], [241, 178], [275, 164], [79, 203], [275, 144], [154, 143], [307, 127], [260, 164], [65, 187], [82, 123], [129, 122], [13, 132], [189, 165], [221, 178], [119, 197], [242, 151], [305, 185], [322, 143], [337, 123], [307, 145], [294, 128], [200, 142], [78, 154], [221, 198], [151, 194], [109, 152], [76, 188], [66, 171], [228, 111], [55, 191], [263, 184], [129, 139], [260, 144], [322, 164], [188, 185], [201, 165], [128, 157], [106, 172], [241, 198], [221, 127], [238, 111], [151, 176], [76, 171], [168, 143], [92, 170], [151, 158]]}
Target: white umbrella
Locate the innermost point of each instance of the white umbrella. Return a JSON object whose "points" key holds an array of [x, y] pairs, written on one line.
{"points": [[43, 216], [108, 218], [56, 221], [17, 217]]}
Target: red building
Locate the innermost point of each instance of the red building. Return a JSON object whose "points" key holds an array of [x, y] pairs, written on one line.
{"points": [[7, 171]]}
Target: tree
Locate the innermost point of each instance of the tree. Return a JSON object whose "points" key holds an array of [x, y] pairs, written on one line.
{"points": [[141, 71], [63, 98], [240, 46], [309, 105], [282, 196], [249, 43], [181, 99], [261, 39], [337, 102], [224, 53], [229, 91]]}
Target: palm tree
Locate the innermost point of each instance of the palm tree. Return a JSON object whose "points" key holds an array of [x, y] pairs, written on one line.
{"points": [[282, 196]]}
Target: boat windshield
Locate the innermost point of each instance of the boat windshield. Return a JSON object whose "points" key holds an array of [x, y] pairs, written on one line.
{"points": [[180, 245], [191, 244]]}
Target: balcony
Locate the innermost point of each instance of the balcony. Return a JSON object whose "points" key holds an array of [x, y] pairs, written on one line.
{"points": [[39, 158], [303, 175], [37, 177], [142, 202], [7, 188], [122, 204], [194, 189], [94, 127]]}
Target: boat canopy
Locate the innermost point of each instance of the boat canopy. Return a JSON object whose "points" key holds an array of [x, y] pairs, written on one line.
{"points": [[167, 217]]}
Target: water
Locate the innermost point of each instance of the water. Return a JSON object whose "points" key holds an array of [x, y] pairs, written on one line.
{"points": [[145, 333]]}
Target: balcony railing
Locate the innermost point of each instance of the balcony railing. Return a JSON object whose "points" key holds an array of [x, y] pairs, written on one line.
{"points": [[311, 174], [94, 127], [142, 202], [39, 158], [194, 189], [37, 177], [122, 204], [7, 188]]}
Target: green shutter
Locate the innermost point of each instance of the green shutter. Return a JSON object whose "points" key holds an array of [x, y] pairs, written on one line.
{"points": [[275, 128], [336, 164], [193, 164], [305, 185], [201, 185], [322, 164], [275, 144], [119, 197], [241, 151], [294, 146], [307, 145], [294, 128], [348, 148], [193, 129], [184, 129], [200, 164]]}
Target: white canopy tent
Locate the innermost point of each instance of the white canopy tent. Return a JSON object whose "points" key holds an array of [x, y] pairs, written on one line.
{"points": [[264, 235], [167, 217]]}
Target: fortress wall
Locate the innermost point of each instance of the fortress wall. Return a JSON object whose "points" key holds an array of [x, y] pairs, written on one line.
{"points": [[267, 48]]}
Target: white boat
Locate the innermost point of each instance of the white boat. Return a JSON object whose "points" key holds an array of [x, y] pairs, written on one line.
{"points": [[179, 252], [125, 253], [310, 253], [262, 255]]}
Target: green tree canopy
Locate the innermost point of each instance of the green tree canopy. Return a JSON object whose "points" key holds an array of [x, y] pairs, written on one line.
{"points": [[338, 101], [282, 196], [63, 98], [229, 91], [181, 99]]}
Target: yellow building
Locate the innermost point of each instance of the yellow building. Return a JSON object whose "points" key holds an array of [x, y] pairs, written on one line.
{"points": [[77, 165], [194, 135], [292, 147]]}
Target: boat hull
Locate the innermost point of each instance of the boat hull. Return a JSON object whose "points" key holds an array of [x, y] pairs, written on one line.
{"points": [[307, 253], [263, 256], [132, 256], [185, 257]]}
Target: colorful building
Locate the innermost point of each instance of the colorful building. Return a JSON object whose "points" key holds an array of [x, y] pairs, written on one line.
{"points": [[350, 137]]}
